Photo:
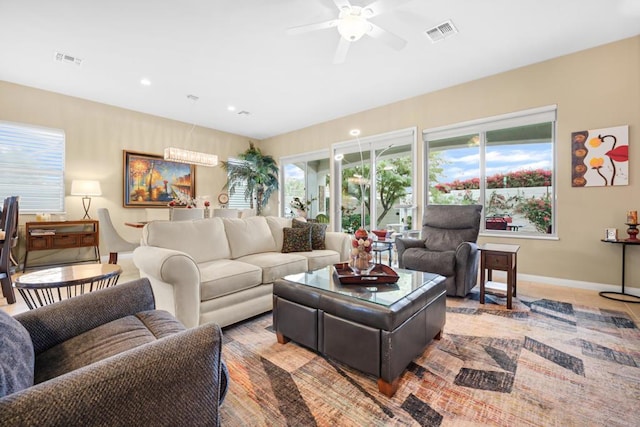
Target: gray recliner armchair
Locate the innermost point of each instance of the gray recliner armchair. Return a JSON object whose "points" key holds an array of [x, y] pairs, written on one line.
{"points": [[448, 246], [109, 358]]}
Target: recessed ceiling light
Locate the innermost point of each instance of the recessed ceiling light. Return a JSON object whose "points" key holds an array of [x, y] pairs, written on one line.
{"points": [[354, 132], [231, 108], [145, 82]]}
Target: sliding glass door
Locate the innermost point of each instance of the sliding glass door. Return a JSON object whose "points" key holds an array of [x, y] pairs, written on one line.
{"points": [[375, 189]]}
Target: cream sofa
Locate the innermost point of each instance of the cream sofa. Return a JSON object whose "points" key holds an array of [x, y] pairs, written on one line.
{"points": [[222, 269]]}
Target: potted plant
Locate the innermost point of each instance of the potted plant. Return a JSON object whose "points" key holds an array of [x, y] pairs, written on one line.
{"points": [[258, 172]]}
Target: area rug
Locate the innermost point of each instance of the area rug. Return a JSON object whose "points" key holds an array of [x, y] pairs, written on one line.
{"points": [[544, 363]]}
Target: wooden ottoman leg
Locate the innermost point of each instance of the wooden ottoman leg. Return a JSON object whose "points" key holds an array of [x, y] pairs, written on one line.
{"points": [[388, 389], [281, 338]]}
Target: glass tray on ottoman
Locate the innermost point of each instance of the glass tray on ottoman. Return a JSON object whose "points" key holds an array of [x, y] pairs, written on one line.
{"points": [[379, 274]]}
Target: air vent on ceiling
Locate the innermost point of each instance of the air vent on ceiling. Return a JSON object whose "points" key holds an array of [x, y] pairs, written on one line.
{"points": [[243, 113], [441, 32], [63, 57]]}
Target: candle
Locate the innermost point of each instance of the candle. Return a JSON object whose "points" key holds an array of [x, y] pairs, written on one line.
{"points": [[632, 217]]}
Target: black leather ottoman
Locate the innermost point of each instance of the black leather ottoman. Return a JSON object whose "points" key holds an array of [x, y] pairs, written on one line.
{"points": [[375, 331]]}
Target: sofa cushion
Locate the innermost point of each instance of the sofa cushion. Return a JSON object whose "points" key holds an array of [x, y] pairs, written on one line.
{"points": [[248, 236], [204, 239], [275, 265], [442, 263], [104, 341], [320, 258], [226, 276], [318, 232], [16, 356], [277, 225], [296, 240]]}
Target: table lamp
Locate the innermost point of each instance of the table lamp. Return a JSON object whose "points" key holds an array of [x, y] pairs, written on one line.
{"points": [[85, 188]]}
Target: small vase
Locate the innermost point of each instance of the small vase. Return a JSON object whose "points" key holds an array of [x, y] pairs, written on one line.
{"points": [[207, 212]]}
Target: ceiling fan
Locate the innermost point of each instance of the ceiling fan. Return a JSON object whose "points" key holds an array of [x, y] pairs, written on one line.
{"points": [[353, 23]]}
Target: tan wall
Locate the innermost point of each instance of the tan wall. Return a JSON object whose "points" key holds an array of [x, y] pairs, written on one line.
{"points": [[593, 89], [97, 134]]}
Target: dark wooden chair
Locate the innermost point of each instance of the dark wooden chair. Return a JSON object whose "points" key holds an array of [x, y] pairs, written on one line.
{"points": [[10, 226]]}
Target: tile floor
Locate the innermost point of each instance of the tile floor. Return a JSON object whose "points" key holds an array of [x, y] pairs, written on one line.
{"points": [[525, 288]]}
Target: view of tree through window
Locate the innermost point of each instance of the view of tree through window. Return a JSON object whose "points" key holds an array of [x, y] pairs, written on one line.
{"points": [[509, 170]]}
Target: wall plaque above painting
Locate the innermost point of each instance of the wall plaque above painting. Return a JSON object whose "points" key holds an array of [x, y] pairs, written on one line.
{"points": [[151, 181], [600, 157]]}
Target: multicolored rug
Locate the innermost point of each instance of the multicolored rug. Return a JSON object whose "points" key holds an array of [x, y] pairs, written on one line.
{"points": [[543, 363]]}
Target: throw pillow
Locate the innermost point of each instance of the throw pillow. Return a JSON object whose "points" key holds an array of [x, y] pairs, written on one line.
{"points": [[318, 232], [296, 240], [16, 356]]}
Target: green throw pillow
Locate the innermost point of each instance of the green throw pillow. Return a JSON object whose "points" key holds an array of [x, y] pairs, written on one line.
{"points": [[296, 240], [318, 232]]}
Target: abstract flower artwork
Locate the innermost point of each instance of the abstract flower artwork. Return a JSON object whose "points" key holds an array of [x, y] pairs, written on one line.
{"points": [[600, 157]]}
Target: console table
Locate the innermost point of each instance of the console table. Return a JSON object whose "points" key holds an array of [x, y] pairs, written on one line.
{"points": [[50, 235], [621, 296]]}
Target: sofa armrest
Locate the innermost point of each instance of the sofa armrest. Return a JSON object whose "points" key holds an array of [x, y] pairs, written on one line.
{"points": [[339, 242], [172, 381], [402, 244], [52, 324], [175, 278]]}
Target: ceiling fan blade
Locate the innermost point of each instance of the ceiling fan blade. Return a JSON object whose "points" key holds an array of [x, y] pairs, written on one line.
{"points": [[382, 6], [342, 4], [341, 51], [312, 27], [386, 37]]}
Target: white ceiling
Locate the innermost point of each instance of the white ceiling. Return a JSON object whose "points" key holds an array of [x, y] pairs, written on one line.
{"points": [[236, 52]]}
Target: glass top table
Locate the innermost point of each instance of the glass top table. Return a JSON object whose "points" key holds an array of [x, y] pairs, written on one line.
{"points": [[384, 294]]}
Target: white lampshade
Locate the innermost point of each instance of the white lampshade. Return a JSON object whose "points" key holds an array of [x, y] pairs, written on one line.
{"points": [[81, 187]]}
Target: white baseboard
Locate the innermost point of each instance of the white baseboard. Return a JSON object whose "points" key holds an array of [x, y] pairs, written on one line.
{"points": [[579, 284]]}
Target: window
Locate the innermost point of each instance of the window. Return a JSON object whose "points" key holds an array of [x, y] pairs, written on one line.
{"points": [[32, 167], [237, 199], [306, 177], [375, 181], [503, 163]]}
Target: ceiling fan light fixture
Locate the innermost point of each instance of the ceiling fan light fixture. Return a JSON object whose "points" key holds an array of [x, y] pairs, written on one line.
{"points": [[352, 27]]}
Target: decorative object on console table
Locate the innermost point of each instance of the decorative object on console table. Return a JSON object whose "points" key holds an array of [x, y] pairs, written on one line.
{"points": [[150, 180], [207, 211], [632, 222], [611, 234], [85, 188]]}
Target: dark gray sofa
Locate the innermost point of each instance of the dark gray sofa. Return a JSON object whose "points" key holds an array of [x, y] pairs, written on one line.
{"points": [[109, 358]]}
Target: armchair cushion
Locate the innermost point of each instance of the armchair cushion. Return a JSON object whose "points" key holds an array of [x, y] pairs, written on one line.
{"points": [[16, 356], [105, 341], [443, 263]]}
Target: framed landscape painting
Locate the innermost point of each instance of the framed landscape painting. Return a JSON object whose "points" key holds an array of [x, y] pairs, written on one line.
{"points": [[152, 181]]}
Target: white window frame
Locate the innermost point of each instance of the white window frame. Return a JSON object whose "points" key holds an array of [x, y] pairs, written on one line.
{"points": [[407, 136], [299, 158], [32, 164], [480, 126]]}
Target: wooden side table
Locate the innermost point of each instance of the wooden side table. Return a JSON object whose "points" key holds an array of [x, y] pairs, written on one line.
{"points": [[498, 257]]}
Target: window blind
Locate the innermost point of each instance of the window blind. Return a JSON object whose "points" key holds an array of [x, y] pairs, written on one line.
{"points": [[32, 166], [236, 200]]}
